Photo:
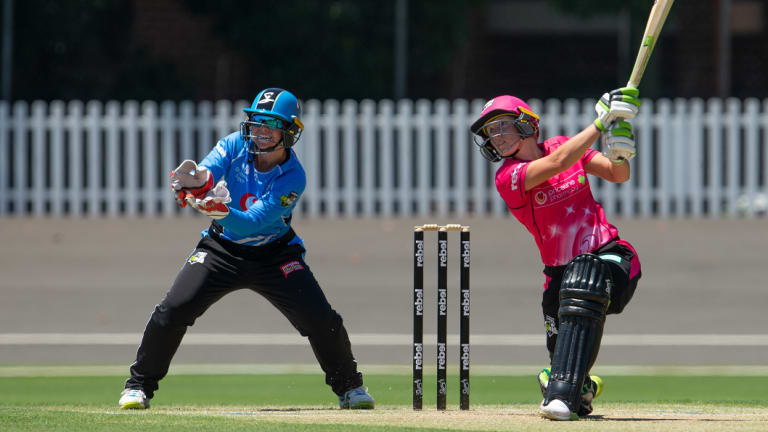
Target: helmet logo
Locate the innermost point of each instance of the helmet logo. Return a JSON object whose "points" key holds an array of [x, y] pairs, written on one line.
{"points": [[266, 98], [487, 104]]}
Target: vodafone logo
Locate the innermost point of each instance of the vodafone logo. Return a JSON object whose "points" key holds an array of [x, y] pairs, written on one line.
{"points": [[540, 197], [247, 200]]}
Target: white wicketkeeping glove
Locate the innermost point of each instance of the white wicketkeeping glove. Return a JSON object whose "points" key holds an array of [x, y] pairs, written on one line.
{"points": [[618, 143], [619, 104], [188, 179], [214, 203]]}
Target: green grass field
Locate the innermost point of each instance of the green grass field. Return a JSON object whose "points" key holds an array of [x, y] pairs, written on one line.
{"points": [[291, 402]]}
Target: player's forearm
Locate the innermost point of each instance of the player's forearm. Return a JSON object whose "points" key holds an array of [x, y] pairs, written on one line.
{"points": [[572, 150], [620, 173]]}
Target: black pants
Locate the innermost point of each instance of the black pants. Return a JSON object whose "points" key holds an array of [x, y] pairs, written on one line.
{"points": [[217, 267], [625, 271]]}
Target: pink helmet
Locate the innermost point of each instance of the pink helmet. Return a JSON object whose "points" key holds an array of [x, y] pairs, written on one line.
{"points": [[505, 104]]}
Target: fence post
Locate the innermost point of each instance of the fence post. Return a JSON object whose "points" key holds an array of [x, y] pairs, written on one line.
{"points": [[96, 160], [310, 157], [679, 148], [151, 151], [696, 173], [58, 158], [442, 153], [331, 120], [349, 124], [423, 144], [751, 127], [715, 156], [733, 146], [112, 122], [388, 154], [168, 130], [38, 155], [483, 184], [19, 121], [460, 125], [5, 163], [405, 156]]}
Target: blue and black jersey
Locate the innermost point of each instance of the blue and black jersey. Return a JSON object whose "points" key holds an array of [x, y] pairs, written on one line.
{"points": [[262, 202]]}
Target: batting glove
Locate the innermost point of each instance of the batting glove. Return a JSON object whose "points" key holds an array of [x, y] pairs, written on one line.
{"points": [[188, 179], [214, 203], [619, 143], [619, 104]]}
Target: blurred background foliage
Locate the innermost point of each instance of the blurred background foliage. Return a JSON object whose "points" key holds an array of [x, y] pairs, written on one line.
{"points": [[338, 49]]}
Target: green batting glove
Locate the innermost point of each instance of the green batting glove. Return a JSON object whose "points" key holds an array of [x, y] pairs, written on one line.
{"points": [[622, 103]]}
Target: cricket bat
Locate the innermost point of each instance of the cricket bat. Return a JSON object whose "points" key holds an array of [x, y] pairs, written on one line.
{"points": [[658, 15]]}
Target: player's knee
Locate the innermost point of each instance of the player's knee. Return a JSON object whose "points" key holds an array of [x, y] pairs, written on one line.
{"points": [[171, 316], [328, 322], [586, 288]]}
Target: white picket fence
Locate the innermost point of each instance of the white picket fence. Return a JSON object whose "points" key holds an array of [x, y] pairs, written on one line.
{"points": [[695, 159]]}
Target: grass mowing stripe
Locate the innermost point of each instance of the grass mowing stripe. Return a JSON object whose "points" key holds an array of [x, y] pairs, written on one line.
{"points": [[310, 390], [302, 402], [371, 369]]}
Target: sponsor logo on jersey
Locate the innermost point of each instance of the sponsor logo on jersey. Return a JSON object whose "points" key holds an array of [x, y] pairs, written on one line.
{"points": [[561, 191], [514, 180], [197, 257], [288, 200], [247, 201], [290, 267], [220, 149], [550, 323]]}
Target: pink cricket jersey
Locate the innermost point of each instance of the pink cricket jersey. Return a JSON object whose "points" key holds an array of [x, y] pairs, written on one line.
{"points": [[561, 212]]}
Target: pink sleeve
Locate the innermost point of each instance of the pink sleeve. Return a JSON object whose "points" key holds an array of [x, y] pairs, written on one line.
{"points": [[588, 155], [510, 182]]}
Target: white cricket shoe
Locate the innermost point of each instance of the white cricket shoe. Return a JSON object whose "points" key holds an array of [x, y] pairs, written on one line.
{"points": [[357, 398], [133, 399], [557, 410]]}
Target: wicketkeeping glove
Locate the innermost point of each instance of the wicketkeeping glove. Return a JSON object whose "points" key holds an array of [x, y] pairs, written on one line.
{"points": [[619, 104], [188, 179], [619, 143], [214, 203]]}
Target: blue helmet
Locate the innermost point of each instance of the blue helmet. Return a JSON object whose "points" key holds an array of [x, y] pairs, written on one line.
{"points": [[280, 104]]}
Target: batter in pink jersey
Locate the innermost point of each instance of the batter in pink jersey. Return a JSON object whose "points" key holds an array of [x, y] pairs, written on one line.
{"points": [[589, 271]]}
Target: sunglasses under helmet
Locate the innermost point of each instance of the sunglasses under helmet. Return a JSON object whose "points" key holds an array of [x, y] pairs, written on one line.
{"points": [[525, 121], [273, 108]]}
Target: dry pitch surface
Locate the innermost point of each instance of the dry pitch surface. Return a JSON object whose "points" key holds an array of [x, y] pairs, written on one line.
{"points": [[625, 417]]}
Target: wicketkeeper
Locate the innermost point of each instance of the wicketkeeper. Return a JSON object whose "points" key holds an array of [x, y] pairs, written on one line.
{"points": [[589, 271], [248, 185]]}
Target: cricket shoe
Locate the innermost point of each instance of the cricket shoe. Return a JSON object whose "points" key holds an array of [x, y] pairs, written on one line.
{"points": [[591, 389], [357, 398], [133, 399], [557, 410]]}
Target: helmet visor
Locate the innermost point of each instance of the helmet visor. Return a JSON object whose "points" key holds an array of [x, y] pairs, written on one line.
{"points": [[259, 132], [503, 134]]}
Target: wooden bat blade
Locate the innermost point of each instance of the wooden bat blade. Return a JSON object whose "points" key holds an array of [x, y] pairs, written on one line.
{"points": [[656, 19]]}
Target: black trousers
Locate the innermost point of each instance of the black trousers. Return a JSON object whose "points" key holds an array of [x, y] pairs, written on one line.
{"points": [[625, 271], [217, 267]]}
